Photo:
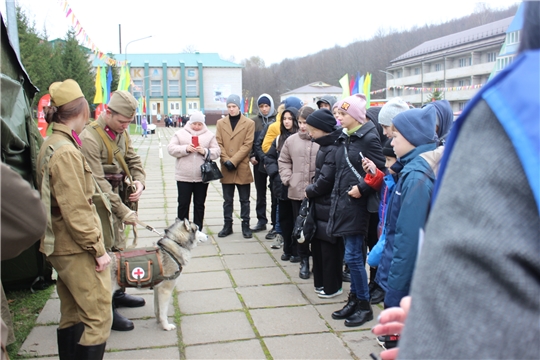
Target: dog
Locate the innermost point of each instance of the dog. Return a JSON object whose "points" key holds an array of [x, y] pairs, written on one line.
{"points": [[175, 250]]}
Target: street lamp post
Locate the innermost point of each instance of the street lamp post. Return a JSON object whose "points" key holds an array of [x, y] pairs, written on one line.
{"points": [[137, 122], [394, 80]]}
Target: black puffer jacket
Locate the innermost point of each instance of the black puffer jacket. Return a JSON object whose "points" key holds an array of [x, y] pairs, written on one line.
{"points": [[348, 215], [320, 191]]}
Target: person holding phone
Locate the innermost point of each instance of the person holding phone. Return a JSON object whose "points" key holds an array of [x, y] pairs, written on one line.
{"points": [[190, 145]]}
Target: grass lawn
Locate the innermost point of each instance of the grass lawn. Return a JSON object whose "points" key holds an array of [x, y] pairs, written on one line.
{"points": [[25, 307]]}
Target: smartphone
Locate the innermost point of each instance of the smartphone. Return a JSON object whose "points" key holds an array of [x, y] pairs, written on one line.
{"points": [[362, 156], [195, 141]]}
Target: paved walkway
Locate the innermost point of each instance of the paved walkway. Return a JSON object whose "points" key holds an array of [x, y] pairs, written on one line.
{"points": [[236, 299]]}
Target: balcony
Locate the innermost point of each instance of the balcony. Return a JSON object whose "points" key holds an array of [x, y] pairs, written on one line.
{"points": [[479, 69]]}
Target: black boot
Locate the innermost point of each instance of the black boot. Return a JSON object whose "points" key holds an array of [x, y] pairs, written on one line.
{"points": [[121, 299], [227, 229], [348, 309], [121, 323], [67, 341], [362, 314], [376, 294], [92, 352], [246, 231], [304, 268]]}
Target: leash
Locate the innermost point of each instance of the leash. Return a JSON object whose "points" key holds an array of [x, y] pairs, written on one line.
{"points": [[135, 233]]}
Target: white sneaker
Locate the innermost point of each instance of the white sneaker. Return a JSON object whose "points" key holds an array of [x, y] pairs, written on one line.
{"points": [[323, 295], [319, 290], [278, 242]]}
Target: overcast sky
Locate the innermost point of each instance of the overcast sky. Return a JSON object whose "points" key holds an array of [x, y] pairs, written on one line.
{"points": [[237, 29]]}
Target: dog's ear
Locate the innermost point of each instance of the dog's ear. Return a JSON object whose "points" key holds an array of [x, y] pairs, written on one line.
{"points": [[187, 225]]}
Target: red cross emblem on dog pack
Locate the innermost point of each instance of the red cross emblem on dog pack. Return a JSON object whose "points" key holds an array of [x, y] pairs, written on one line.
{"points": [[137, 273]]}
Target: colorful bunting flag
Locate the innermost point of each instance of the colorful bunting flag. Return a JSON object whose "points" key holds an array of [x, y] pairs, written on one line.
{"points": [[98, 98], [361, 85], [355, 88], [344, 82], [251, 105], [367, 89], [109, 82]]}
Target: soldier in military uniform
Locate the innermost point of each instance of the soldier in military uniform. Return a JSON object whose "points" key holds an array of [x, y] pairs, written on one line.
{"points": [[73, 240], [111, 176]]}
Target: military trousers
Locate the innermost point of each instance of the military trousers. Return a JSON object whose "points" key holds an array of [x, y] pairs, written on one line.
{"points": [[85, 296]]}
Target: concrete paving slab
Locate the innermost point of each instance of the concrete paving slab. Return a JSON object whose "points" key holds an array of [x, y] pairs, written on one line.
{"points": [[339, 325], [309, 291], [310, 346], [208, 328], [248, 261], [249, 349], [203, 281], [271, 296], [50, 313], [207, 248], [40, 342], [146, 333], [261, 276], [362, 343], [160, 353], [206, 301], [288, 320], [146, 311], [241, 248], [200, 264]]}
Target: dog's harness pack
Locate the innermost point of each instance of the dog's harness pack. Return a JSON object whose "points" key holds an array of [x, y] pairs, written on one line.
{"points": [[142, 268]]}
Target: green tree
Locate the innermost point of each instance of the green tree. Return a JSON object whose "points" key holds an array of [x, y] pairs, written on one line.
{"points": [[435, 94], [77, 66]]}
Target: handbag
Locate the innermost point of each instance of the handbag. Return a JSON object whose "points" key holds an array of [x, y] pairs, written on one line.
{"points": [[210, 170]]}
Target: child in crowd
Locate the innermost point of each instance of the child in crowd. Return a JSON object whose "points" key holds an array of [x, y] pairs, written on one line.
{"points": [[296, 169], [288, 127], [413, 133], [327, 250]]}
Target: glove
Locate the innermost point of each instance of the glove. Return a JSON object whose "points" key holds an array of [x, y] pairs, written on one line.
{"points": [[229, 165]]}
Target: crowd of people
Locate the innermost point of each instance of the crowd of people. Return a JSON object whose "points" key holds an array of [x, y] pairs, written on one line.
{"points": [[393, 187]]}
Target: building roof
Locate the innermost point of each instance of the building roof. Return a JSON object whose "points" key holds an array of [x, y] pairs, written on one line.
{"points": [[157, 60], [317, 87], [468, 36]]}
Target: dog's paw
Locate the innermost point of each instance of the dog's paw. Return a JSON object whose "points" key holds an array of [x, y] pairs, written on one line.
{"points": [[168, 327]]}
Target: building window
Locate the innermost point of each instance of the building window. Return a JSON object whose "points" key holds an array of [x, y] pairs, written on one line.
{"points": [[137, 88], [491, 56], [399, 73], [438, 67], [461, 105], [465, 82], [465, 62], [191, 88], [504, 62], [174, 88], [399, 92], [177, 106], [192, 105], [155, 88], [416, 71], [512, 38]]}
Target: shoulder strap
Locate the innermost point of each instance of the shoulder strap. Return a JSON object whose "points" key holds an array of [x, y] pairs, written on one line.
{"points": [[112, 148], [350, 165], [48, 241]]}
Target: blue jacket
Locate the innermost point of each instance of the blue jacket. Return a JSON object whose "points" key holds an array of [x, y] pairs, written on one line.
{"points": [[406, 215], [374, 256]]}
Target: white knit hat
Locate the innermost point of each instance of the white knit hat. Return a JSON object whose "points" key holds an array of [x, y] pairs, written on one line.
{"points": [[391, 109], [197, 116]]}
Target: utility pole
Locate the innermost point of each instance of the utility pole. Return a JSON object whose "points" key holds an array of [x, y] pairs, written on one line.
{"points": [[120, 37]]}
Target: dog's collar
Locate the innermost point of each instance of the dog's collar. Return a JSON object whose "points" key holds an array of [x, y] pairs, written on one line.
{"points": [[177, 273]]}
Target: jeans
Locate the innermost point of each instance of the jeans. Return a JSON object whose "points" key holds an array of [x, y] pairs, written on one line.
{"points": [[228, 197], [355, 260], [277, 226]]}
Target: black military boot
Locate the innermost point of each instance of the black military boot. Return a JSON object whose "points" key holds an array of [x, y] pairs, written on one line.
{"points": [[68, 338], [121, 299], [246, 231], [121, 323], [227, 229], [347, 310], [362, 314], [304, 268], [92, 352]]}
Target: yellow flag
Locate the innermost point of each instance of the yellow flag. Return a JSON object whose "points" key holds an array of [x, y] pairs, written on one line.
{"points": [[98, 98], [344, 82], [128, 79], [367, 89], [251, 105]]}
